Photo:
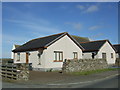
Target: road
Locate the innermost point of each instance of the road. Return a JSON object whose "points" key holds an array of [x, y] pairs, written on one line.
{"points": [[105, 83], [111, 82]]}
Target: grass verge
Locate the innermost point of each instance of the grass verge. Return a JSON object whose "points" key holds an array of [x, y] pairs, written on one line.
{"points": [[94, 71]]}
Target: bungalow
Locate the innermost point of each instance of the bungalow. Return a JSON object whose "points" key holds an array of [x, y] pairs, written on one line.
{"points": [[117, 47], [14, 47], [48, 52], [99, 49]]}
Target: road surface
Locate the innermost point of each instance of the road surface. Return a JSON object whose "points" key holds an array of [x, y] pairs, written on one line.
{"points": [[110, 82], [104, 83]]}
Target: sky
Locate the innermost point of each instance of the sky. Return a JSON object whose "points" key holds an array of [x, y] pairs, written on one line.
{"points": [[23, 21]]}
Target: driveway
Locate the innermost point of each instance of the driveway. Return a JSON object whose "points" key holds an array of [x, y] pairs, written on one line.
{"points": [[54, 78], [109, 82]]}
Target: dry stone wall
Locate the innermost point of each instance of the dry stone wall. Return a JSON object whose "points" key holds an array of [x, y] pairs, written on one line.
{"points": [[23, 71], [84, 65]]}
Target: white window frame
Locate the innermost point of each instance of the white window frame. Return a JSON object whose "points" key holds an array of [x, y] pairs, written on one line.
{"points": [[75, 55], [18, 56], [58, 56], [112, 55], [105, 55]]}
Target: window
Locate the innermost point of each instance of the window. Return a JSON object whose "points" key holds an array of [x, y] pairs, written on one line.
{"points": [[18, 56], [58, 56], [111, 55], [104, 55], [75, 55]]}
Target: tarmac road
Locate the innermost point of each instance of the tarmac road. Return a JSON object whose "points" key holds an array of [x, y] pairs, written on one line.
{"points": [[109, 82], [104, 83]]}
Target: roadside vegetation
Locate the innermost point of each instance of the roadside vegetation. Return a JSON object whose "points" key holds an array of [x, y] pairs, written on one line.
{"points": [[94, 71]]}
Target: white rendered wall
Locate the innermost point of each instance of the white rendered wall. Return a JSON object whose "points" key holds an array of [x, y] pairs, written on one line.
{"points": [[87, 55], [106, 48], [12, 54], [117, 55], [34, 59], [64, 44], [22, 58]]}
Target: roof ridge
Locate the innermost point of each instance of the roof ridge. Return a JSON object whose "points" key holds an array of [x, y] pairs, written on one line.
{"points": [[79, 36], [116, 44], [16, 44], [48, 36], [95, 41], [56, 38], [45, 45]]}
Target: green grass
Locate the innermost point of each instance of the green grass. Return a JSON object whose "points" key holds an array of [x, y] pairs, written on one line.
{"points": [[93, 71]]}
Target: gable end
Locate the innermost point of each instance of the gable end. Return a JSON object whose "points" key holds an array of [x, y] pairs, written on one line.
{"points": [[63, 36]]}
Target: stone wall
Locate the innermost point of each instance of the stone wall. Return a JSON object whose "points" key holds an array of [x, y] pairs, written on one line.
{"points": [[84, 65], [22, 71]]}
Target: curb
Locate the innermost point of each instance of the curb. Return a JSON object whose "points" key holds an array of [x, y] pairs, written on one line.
{"points": [[84, 82]]}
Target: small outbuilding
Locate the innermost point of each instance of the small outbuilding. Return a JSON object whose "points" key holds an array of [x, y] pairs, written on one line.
{"points": [[99, 49], [14, 47]]}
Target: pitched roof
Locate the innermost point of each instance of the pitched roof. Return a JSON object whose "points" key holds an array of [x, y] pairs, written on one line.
{"points": [[93, 45], [80, 39], [42, 42], [117, 47]]}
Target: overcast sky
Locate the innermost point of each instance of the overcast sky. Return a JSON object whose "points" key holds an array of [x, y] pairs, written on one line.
{"points": [[24, 21]]}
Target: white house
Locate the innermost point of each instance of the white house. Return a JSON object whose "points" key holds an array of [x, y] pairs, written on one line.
{"points": [[117, 47], [99, 49], [48, 52], [14, 47]]}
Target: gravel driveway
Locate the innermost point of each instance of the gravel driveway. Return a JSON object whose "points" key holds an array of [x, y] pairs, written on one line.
{"points": [[46, 79], [37, 77]]}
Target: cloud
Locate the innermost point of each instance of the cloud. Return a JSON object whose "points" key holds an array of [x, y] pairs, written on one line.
{"points": [[88, 9], [77, 26], [81, 7], [63, 7], [34, 27], [40, 26], [92, 8], [29, 21], [94, 27], [96, 36], [74, 25], [28, 5], [10, 39]]}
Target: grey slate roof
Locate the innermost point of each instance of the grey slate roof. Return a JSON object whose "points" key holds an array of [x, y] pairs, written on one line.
{"points": [[16, 46], [37, 43], [42, 42], [80, 39], [117, 47], [93, 45]]}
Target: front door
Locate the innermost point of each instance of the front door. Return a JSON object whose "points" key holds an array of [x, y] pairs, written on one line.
{"points": [[27, 59]]}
